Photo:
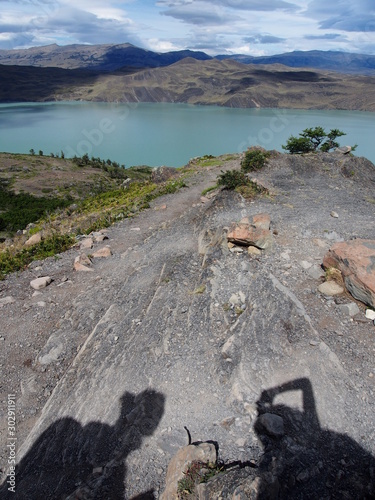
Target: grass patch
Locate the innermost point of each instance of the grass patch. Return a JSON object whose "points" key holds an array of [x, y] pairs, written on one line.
{"points": [[206, 161], [141, 173], [209, 189], [250, 190], [199, 290], [11, 262]]}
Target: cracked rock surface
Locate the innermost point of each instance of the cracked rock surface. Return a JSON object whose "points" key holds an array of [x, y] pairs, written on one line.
{"points": [[172, 329]]}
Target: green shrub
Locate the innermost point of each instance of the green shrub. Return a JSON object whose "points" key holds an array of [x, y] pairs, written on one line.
{"points": [[254, 160], [18, 210], [298, 145], [232, 179]]}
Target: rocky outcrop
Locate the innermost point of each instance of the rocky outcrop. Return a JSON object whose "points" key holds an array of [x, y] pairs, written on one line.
{"points": [[355, 260], [162, 174]]}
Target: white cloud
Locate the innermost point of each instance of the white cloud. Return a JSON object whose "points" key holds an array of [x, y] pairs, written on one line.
{"points": [[222, 26], [162, 46], [65, 22], [258, 5], [201, 14]]}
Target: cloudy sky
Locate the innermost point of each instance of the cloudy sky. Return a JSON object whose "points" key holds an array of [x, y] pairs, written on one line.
{"points": [[254, 27]]}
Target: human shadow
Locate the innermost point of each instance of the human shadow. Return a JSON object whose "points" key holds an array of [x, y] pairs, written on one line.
{"points": [[73, 461], [302, 460]]}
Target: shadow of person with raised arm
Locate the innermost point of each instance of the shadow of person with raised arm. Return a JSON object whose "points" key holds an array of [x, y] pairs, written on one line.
{"points": [[301, 460], [87, 462]]}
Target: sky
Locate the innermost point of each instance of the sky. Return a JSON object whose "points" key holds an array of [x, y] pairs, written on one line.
{"points": [[251, 27]]}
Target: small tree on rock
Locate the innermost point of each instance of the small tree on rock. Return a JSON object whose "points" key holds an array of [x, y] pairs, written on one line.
{"points": [[313, 139]]}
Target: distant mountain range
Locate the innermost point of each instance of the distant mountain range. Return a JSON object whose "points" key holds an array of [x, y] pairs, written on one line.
{"points": [[342, 62], [94, 57], [109, 58]]}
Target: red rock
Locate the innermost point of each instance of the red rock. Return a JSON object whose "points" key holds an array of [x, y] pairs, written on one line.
{"points": [[263, 221], [356, 261], [80, 267], [255, 233]]}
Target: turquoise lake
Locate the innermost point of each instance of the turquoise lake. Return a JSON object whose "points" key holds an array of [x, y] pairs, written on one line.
{"points": [[166, 134]]}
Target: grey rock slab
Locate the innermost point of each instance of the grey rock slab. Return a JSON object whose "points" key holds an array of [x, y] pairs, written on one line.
{"points": [[350, 309], [315, 272], [343, 150]]}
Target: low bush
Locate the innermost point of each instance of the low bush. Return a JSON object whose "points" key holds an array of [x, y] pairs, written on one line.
{"points": [[232, 179], [238, 181], [18, 210], [254, 159]]}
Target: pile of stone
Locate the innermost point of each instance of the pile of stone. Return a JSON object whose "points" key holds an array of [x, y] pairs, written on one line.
{"points": [[254, 235]]}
